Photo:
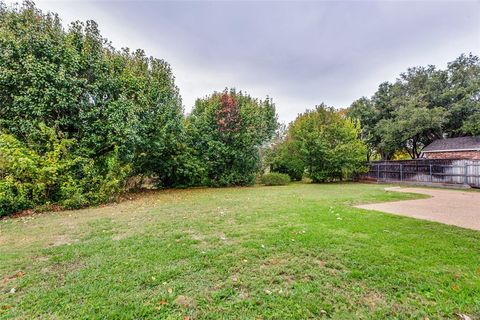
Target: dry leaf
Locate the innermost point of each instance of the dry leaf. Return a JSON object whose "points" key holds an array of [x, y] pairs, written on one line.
{"points": [[170, 290], [463, 316]]}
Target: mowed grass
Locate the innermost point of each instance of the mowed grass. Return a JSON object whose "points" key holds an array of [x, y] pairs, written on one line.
{"points": [[292, 252]]}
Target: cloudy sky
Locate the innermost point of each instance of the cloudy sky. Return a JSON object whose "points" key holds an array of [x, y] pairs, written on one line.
{"points": [[298, 53]]}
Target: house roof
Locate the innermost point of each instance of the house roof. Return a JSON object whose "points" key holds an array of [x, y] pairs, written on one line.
{"points": [[454, 144]]}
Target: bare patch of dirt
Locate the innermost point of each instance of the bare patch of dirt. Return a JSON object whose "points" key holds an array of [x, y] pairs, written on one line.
{"points": [[61, 240], [185, 302], [373, 300]]}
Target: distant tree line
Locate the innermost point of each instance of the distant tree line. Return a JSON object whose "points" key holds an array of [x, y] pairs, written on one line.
{"points": [[422, 105]]}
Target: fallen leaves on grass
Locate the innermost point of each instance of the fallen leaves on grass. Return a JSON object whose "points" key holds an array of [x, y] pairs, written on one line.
{"points": [[160, 304], [18, 274]]}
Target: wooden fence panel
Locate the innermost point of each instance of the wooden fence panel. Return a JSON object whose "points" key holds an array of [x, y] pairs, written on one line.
{"points": [[444, 171]]}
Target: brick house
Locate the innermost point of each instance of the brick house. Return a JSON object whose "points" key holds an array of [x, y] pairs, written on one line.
{"points": [[453, 148]]}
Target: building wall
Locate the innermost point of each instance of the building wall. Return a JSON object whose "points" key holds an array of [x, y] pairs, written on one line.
{"points": [[471, 155]]}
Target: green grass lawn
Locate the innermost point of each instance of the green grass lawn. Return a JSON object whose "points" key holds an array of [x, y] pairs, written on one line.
{"points": [[294, 252]]}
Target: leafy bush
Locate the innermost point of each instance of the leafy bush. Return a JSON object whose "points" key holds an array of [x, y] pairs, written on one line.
{"points": [[284, 158], [275, 179], [13, 196], [29, 178]]}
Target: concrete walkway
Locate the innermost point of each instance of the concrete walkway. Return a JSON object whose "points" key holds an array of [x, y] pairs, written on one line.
{"points": [[453, 207]]}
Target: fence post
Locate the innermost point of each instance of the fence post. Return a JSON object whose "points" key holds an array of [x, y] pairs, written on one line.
{"points": [[466, 173], [431, 177], [378, 172], [401, 172]]}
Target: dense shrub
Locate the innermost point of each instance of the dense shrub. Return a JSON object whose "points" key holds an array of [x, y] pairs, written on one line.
{"points": [[275, 179], [30, 178], [79, 117], [284, 158], [225, 133]]}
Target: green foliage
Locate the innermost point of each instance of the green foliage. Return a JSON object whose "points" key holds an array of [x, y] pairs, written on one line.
{"points": [[423, 105], [79, 117], [328, 144], [225, 133], [322, 143], [30, 178], [472, 125], [284, 158], [275, 179]]}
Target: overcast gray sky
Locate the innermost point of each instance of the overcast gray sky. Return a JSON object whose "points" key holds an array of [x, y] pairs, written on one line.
{"points": [[298, 53]]}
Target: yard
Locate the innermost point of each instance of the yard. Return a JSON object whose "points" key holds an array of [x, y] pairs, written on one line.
{"points": [[293, 252]]}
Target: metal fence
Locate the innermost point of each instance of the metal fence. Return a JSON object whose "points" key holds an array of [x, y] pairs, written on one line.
{"points": [[427, 171]]}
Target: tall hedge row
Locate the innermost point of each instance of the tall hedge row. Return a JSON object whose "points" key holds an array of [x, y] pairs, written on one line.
{"points": [[79, 119]]}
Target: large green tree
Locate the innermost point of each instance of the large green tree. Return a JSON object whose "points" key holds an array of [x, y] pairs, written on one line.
{"points": [[423, 105], [463, 97], [119, 111], [323, 142], [226, 131]]}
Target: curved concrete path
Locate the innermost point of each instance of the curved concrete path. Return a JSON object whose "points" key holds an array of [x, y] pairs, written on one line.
{"points": [[453, 207]]}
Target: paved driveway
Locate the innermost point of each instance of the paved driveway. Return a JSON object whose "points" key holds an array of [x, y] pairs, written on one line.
{"points": [[453, 207]]}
